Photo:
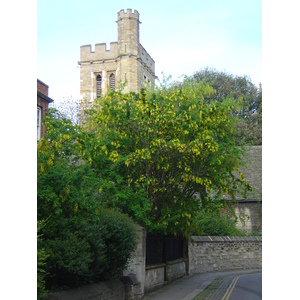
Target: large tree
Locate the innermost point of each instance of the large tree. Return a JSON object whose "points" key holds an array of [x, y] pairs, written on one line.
{"points": [[249, 96], [162, 152]]}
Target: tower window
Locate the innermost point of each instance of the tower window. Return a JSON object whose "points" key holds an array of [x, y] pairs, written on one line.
{"points": [[99, 86], [112, 81]]}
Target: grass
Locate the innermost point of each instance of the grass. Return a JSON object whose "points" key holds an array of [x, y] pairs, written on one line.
{"points": [[209, 289]]}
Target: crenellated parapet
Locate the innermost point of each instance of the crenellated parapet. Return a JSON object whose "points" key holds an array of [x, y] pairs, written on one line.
{"points": [[128, 14], [125, 61], [128, 31], [100, 53]]}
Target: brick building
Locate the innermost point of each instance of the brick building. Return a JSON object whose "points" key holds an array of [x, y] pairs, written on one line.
{"points": [[126, 60], [42, 105]]}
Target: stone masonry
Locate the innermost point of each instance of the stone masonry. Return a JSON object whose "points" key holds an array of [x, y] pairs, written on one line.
{"points": [[249, 210], [137, 263], [215, 254], [125, 61]]}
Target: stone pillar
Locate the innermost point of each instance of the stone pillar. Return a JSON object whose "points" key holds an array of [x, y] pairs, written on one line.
{"points": [[104, 82], [137, 263], [132, 287]]}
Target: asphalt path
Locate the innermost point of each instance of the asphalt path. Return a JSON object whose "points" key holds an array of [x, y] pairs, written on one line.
{"points": [[189, 287], [245, 287]]}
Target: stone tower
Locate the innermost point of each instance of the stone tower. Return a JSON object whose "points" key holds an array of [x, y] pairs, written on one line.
{"points": [[126, 60]]}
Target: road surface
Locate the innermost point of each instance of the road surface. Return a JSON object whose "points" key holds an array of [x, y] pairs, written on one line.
{"points": [[245, 287]]}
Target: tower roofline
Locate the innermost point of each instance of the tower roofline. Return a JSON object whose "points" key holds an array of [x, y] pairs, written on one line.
{"points": [[128, 14]]}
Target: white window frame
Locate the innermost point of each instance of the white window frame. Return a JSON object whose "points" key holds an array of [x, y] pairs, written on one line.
{"points": [[39, 121]]}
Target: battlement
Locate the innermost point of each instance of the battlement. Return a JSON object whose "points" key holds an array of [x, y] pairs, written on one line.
{"points": [[129, 14], [126, 59], [101, 52]]}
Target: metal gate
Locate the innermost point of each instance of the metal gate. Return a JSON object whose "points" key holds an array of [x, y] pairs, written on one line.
{"points": [[161, 249]]}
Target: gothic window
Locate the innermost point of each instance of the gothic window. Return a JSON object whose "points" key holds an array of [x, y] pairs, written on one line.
{"points": [[112, 81], [99, 86]]}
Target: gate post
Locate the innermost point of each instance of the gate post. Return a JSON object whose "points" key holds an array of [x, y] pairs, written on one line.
{"points": [[137, 263]]}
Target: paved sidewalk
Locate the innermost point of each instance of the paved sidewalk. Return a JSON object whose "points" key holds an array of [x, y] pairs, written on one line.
{"points": [[188, 287]]}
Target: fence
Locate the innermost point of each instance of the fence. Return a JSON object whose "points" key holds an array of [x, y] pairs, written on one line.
{"points": [[161, 249]]}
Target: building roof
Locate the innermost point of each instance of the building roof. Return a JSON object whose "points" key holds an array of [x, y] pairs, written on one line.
{"points": [[44, 97], [40, 81]]}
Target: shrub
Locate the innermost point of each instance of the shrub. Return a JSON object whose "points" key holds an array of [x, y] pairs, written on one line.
{"points": [[41, 259], [81, 252], [118, 234], [217, 225], [216, 219]]}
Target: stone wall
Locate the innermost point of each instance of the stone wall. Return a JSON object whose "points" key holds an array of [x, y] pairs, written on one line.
{"points": [[107, 290], [137, 263], [205, 254], [127, 288], [158, 275], [154, 277], [249, 215], [211, 254], [175, 269], [250, 208]]}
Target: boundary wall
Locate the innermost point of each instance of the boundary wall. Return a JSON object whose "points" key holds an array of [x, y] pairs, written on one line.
{"points": [[126, 288], [217, 253], [204, 254]]}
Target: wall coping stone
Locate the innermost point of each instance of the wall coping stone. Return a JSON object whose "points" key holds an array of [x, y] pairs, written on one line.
{"points": [[155, 266], [259, 201], [170, 262], [176, 261], [129, 279], [226, 238]]}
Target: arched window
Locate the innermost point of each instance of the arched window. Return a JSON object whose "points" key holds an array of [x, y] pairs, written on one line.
{"points": [[112, 81], [99, 86]]}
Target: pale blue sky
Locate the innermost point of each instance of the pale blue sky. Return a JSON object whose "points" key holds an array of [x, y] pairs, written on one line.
{"points": [[181, 36]]}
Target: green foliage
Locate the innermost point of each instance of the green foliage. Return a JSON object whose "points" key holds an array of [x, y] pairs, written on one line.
{"points": [[79, 229], [250, 129], [41, 262], [158, 151], [163, 157], [216, 219], [240, 88], [119, 238], [90, 252]]}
